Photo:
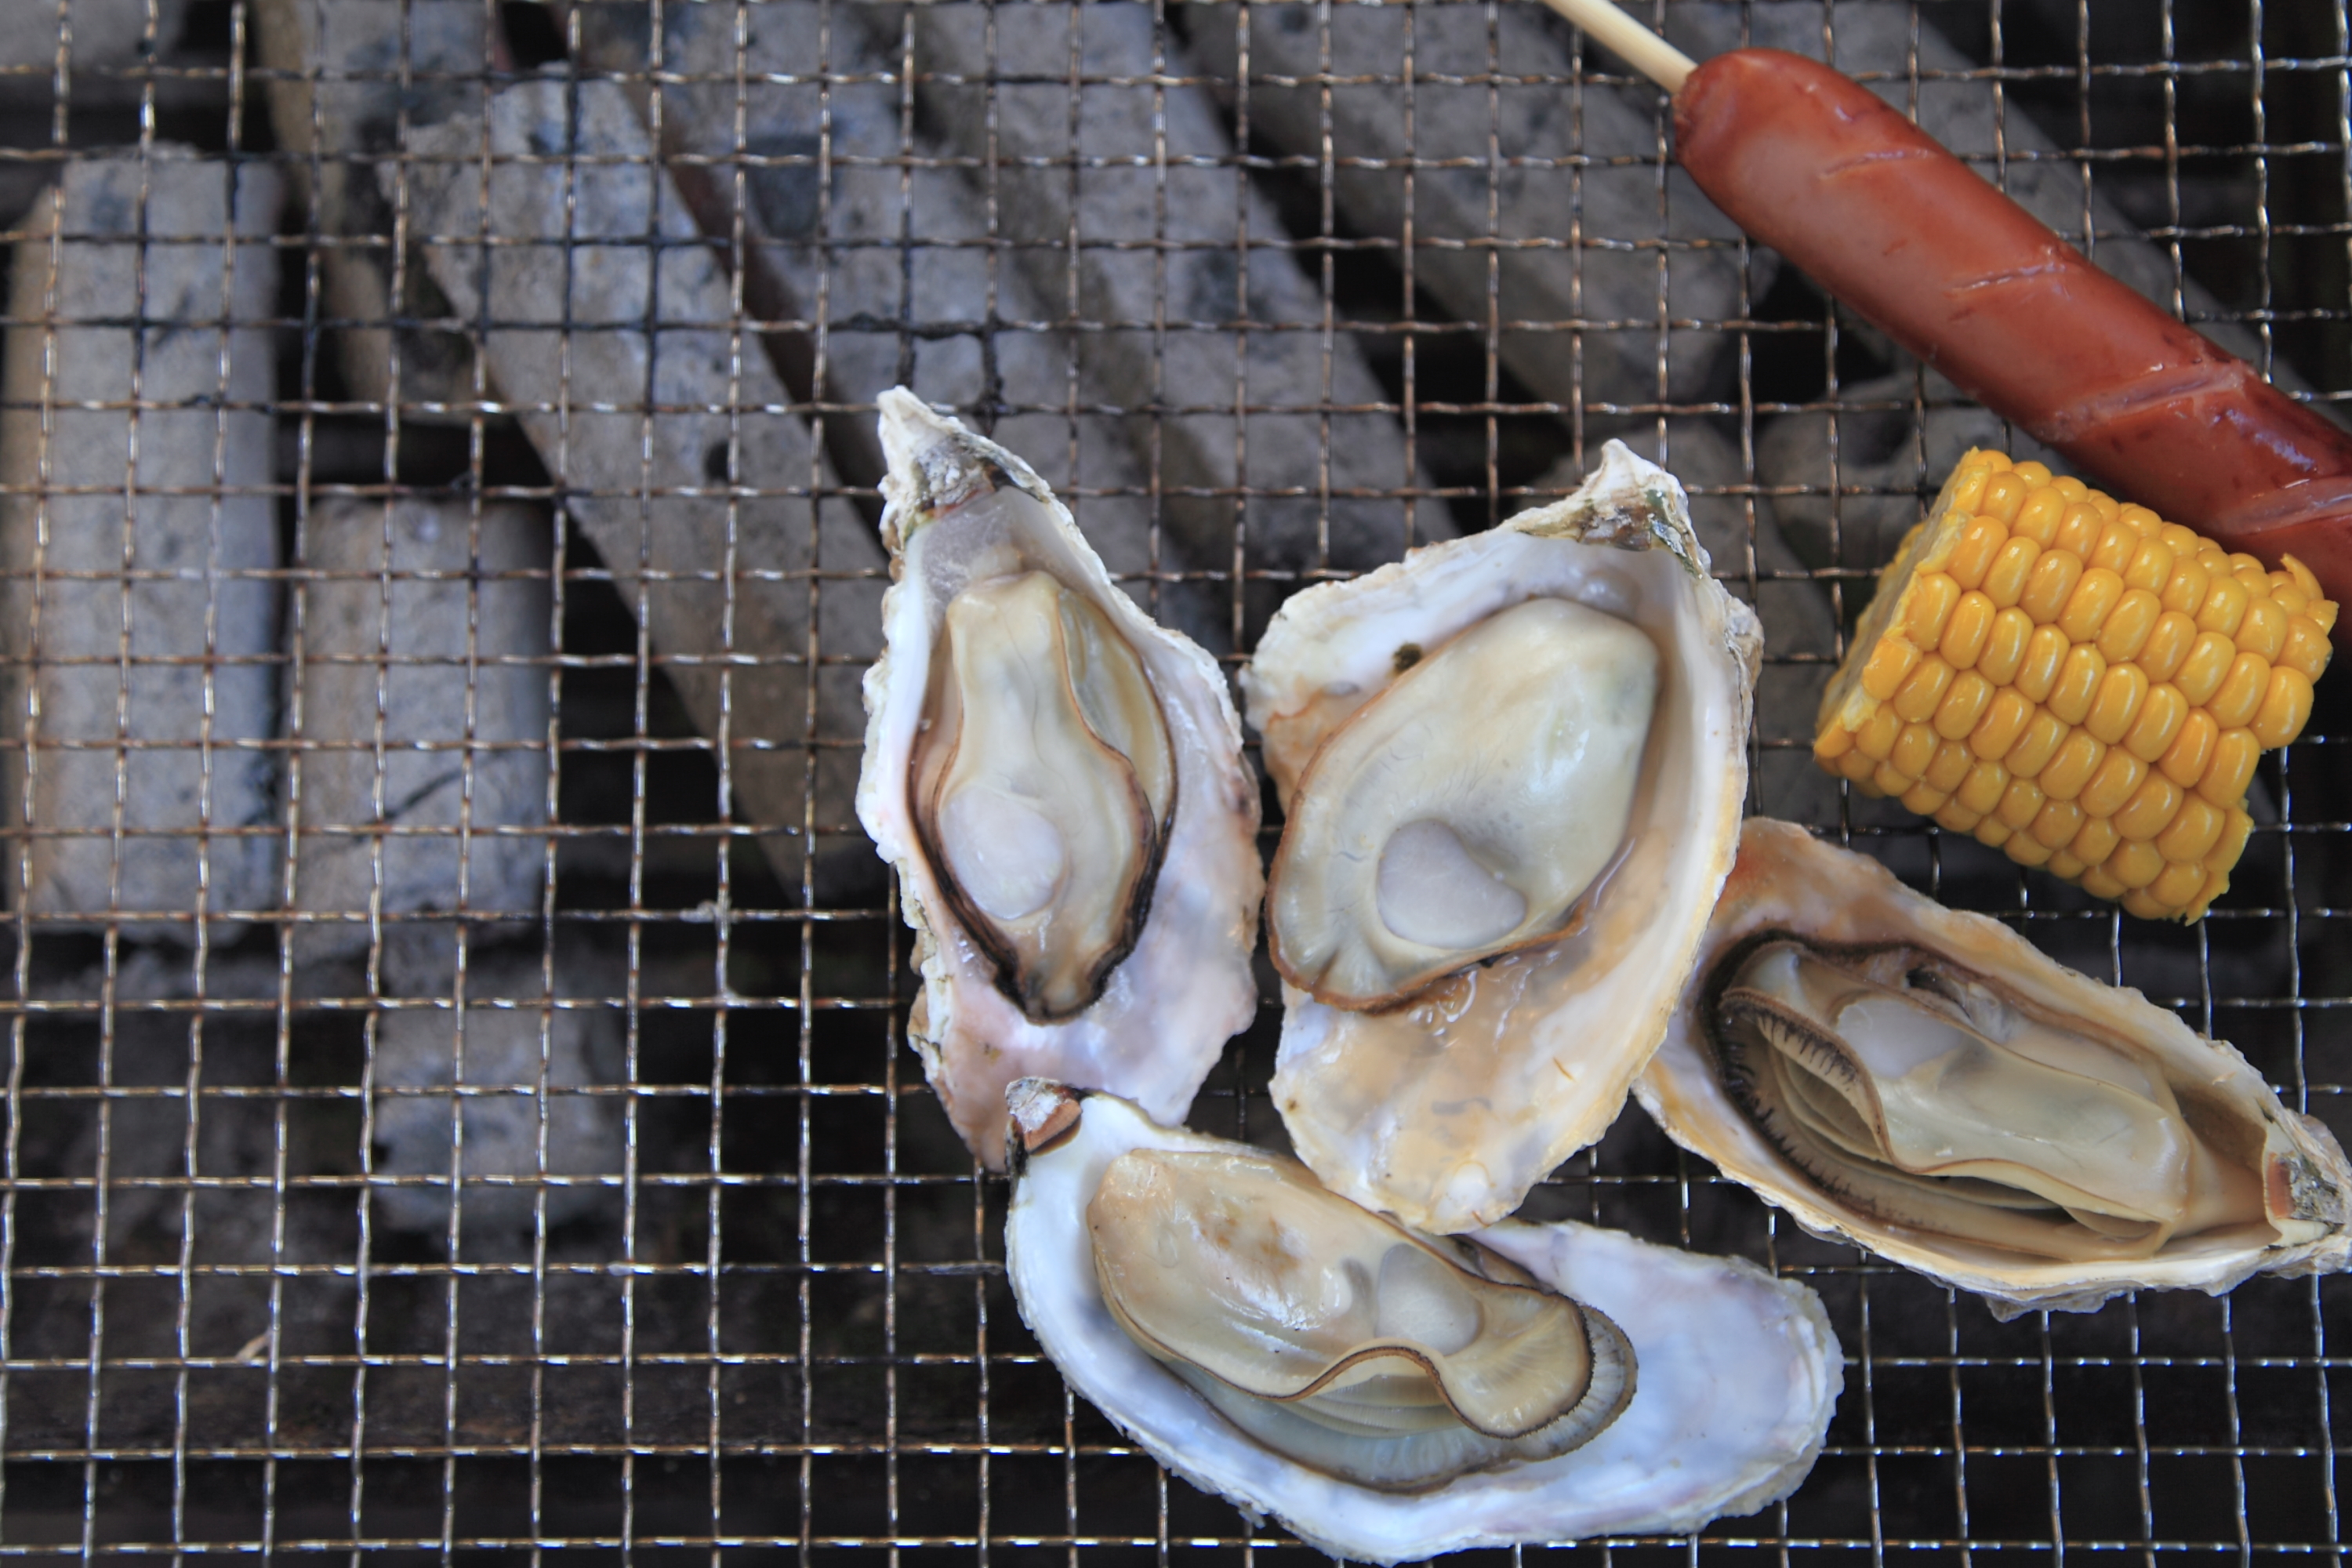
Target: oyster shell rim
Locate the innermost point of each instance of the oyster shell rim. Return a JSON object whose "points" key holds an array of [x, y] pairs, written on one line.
{"points": [[1681, 1094]]}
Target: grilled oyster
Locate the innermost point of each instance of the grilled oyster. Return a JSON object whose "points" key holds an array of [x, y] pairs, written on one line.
{"points": [[1927, 1084], [1275, 1344], [1513, 767], [1060, 784]]}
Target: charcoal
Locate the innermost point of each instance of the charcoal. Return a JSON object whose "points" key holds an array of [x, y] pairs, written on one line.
{"points": [[469, 1082], [423, 707], [673, 447], [1126, 198], [1591, 161], [961, 330], [343, 76], [140, 620]]}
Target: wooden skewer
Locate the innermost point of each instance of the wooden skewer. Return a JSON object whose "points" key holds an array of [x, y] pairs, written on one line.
{"points": [[1628, 39]]}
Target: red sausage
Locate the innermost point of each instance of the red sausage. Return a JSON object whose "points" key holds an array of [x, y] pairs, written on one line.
{"points": [[1815, 166]]}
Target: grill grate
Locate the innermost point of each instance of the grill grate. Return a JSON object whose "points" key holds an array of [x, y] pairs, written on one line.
{"points": [[455, 1091]]}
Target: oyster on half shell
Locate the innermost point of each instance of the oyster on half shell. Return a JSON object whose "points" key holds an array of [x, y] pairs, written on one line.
{"points": [[1060, 784], [1389, 1395], [1513, 767], [1927, 1084]]}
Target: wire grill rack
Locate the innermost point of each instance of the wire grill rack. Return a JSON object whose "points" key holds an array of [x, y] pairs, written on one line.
{"points": [[555, 1181]]}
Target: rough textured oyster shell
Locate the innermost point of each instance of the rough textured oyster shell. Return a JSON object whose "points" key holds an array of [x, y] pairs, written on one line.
{"points": [[1786, 881], [1739, 1371], [1444, 1111], [1161, 994]]}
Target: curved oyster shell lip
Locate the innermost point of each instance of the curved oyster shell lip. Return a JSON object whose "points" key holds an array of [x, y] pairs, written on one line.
{"points": [[1739, 1372], [1454, 1133], [1787, 879], [1186, 985]]}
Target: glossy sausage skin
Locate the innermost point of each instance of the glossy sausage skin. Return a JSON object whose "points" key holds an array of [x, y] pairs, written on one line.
{"points": [[1815, 166]]}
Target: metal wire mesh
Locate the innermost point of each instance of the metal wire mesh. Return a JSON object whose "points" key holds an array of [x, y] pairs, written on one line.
{"points": [[454, 1092]]}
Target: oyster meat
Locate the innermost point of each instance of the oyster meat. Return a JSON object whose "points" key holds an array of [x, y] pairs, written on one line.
{"points": [[1513, 768], [1389, 1395], [1060, 784], [1927, 1084]]}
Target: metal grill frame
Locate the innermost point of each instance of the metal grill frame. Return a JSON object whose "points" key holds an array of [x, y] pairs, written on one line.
{"points": [[2158, 1427]]}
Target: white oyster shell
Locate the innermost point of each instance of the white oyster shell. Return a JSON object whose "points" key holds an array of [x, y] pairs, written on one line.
{"points": [[1739, 1372], [1445, 1111], [960, 508], [1787, 880]]}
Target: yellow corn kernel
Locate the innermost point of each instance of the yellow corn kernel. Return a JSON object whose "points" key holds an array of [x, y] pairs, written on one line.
{"points": [[2079, 530], [1979, 544], [2057, 822], [1993, 832], [2285, 595], [2193, 830], [1877, 736], [2303, 577], [2185, 590], [2116, 702], [2035, 475], [2151, 566], [1931, 605], [1968, 486], [2213, 558], [1951, 765], [1890, 662], [1834, 742], [2135, 864], [2323, 615], [2241, 691], [2067, 485], [2004, 721], [2175, 886], [2191, 752], [2078, 681], [2202, 673], [2231, 843], [2150, 809], [2025, 849], [2055, 572], [2113, 785], [2181, 541], [1965, 630], [2065, 774], [2251, 571], [1856, 767], [1914, 750], [2307, 647], [1922, 690], [2128, 626], [2020, 804], [2042, 737], [1982, 789], [2160, 717], [2004, 649], [1887, 779], [2100, 884], [2012, 566], [1924, 798], [2169, 642], [2003, 495], [2037, 519], [2063, 865], [2143, 901], [2263, 631], [1963, 705], [2088, 606], [2224, 607], [2037, 672], [2119, 543], [2233, 768], [2142, 520], [1958, 817], [2095, 842], [2287, 707]]}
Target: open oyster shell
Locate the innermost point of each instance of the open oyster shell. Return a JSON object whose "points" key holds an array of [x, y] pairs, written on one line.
{"points": [[1060, 784], [1739, 1372], [1513, 766], [1927, 1084]]}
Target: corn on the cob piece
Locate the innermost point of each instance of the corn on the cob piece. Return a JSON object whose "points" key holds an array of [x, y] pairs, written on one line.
{"points": [[2077, 682]]}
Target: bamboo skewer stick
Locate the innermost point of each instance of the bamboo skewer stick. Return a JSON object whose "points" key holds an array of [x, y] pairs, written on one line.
{"points": [[1628, 39]]}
